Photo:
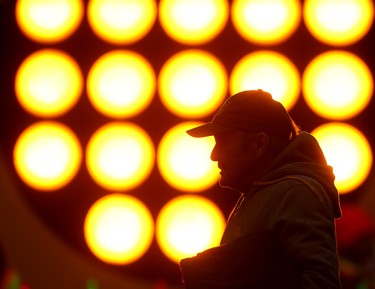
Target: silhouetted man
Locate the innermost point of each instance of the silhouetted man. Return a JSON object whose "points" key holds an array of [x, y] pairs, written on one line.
{"points": [[281, 233]]}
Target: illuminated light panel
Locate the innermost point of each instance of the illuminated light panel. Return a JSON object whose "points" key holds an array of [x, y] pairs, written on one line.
{"points": [[184, 162], [47, 155], [121, 21], [49, 21], [348, 152], [337, 85], [269, 71], [338, 22], [118, 229], [266, 22], [192, 84], [121, 83], [120, 156], [48, 83], [187, 225], [193, 22]]}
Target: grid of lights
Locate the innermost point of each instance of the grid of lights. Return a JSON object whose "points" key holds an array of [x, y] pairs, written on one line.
{"points": [[192, 84]]}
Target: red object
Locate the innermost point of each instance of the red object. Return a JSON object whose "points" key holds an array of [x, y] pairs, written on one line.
{"points": [[354, 224]]}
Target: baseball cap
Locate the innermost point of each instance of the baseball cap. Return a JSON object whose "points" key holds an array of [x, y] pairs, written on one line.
{"points": [[250, 110]]}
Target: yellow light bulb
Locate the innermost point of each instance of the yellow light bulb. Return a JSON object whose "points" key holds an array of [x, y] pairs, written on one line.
{"points": [[193, 22], [348, 152], [270, 71], [192, 83], [266, 22], [338, 22], [337, 85], [121, 83], [120, 156], [184, 162], [48, 83], [47, 155], [118, 229], [49, 21], [121, 21], [187, 225]]}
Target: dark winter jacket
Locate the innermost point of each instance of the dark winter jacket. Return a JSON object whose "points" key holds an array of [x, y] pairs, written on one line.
{"points": [[281, 234]]}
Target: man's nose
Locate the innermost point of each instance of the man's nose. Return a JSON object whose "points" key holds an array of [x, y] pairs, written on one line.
{"points": [[214, 154]]}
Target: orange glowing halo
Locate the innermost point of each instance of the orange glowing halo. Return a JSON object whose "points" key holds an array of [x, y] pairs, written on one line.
{"points": [[120, 155], [184, 162], [121, 22], [347, 150], [266, 22], [256, 70], [193, 22], [48, 83], [121, 83], [187, 225], [338, 22], [192, 83], [49, 21], [47, 155], [337, 85], [118, 229]]}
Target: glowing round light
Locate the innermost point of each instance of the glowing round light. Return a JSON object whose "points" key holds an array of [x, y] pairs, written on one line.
{"points": [[192, 83], [48, 83], [184, 162], [187, 225], [193, 21], [118, 229], [49, 21], [120, 156], [337, 85], [270, 71], [338, 22], [348, 152], [121, 21], [266, 21], [121, 83], [47, 155]]}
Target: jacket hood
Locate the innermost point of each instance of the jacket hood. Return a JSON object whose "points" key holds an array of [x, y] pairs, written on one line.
{"points": [[303, 156]]}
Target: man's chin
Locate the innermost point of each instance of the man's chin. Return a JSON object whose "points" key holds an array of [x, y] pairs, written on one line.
{"points": [[223, 183]]}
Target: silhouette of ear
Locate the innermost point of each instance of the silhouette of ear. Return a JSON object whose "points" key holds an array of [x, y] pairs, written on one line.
{"points": [[262, 144]]}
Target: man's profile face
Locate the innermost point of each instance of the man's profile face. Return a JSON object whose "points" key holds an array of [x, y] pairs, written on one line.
{"points": [[234, 154]]}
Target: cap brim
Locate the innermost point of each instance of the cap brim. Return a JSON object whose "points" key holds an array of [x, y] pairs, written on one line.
{"points": [[207, 129]]}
